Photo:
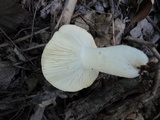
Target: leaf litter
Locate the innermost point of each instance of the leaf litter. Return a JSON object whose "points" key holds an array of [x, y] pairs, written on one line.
{"points": [[24, 92]]}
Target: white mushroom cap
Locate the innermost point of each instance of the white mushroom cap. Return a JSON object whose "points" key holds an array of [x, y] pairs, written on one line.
{"points": [[61, 59], [71, 61]]}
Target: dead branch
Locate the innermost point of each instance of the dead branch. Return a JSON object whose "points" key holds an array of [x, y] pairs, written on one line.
{"points": [[67, 13], [113, 25], [9, 39], [153, 24], [19, 63], [151, 46], [34, 47], [139, 41], [157, 81], [25, 37], [106, 97], [35, 12]]}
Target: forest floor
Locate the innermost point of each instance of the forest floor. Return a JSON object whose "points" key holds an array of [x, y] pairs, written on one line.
{"points": [[26, 26]]}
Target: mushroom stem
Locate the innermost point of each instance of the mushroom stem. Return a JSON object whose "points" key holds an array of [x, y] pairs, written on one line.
{"points": [[118, 60]]}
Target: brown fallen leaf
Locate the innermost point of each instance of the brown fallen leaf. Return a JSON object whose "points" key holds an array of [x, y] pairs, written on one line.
{"points": [[85, 21], [142, 12]]}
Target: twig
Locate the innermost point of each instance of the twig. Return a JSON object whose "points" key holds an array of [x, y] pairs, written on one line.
{"points": [[157, 81], [67, 13], [88, 23], [148, 44], [34, 47], [113, 29], [139, 41], [28, 36], [157, 76], [18, 48], [32, 30], [25, 37], [18, 114], [156, 53], [3, 45], [23, 29], [153, 24], [19, 63]]}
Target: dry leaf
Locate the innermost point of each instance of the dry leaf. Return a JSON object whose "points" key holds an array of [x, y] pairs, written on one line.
{"points": [[136, 32], [127, 2], [103, 22], [105, 3], [139, 117], [119, 29], [52, 8], [38, 113], [104, 28], [86, 20], [155, 37], [11, 14], [103, 41], [143, 10], [32, 83], [47, 102], [131, 116], [19, 54], [143, 28], [6, 74], [99, 8]]}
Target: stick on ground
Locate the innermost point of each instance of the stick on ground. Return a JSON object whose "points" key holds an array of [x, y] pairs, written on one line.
{"points": [[67, 13]]}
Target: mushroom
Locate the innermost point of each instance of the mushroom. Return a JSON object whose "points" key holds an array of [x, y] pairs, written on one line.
{"points": [[71, 60]]}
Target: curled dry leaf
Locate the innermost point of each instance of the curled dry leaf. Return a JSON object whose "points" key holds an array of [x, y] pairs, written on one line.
{"points": [[143, 10]]}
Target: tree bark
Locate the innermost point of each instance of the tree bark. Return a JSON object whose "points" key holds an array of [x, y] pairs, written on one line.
{"points": [[123, 91]]}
